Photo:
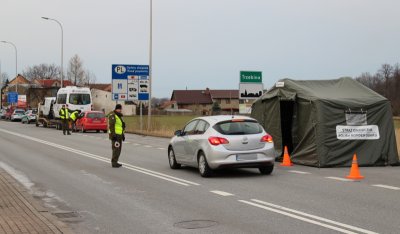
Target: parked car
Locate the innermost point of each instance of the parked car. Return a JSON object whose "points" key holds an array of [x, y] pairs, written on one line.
{"points": [[17, 114], [3, 113], [29, 116], [9, 112], [215, 142], [92, 120]]}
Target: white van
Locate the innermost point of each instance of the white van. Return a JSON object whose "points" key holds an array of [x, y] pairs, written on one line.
{"points": [[76, 98]]}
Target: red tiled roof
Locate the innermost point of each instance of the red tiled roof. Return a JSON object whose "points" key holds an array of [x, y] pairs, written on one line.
{"points": [[224, 93], [191, 97], [50, 82]]}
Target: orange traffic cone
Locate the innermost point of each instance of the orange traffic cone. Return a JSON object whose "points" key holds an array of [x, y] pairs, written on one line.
{"points": [[286, 159], [354, 172]]}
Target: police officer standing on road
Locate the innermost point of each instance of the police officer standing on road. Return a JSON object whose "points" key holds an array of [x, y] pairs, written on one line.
{"points": [[64, 115], [116, 128]]}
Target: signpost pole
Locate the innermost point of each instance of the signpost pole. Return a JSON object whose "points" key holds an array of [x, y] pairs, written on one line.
{"points": [[141, 117], [150, 64]]}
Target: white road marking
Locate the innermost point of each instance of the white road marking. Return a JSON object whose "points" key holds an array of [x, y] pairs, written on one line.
{"points": [[386, 186], [282, 210], [136, 144], [222, 193], [161, 148], [126, 142], [148, 146], [300, 172], [338, 178], [107, 160]]}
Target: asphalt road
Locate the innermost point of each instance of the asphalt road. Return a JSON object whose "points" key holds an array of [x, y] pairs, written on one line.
{"points": [[73, 176]]}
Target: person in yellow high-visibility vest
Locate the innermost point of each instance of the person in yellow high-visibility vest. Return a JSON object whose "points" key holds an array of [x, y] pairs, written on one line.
{"points": [[74, 117], [116, 129], [64, 115]]}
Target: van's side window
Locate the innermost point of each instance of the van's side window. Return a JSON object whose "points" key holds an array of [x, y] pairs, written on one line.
{"points": [[62, 99]]}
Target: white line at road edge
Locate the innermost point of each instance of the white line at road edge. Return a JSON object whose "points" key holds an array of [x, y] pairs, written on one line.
{"points": [[386, 186], [222, 193], [276, 208], [103, 159]]}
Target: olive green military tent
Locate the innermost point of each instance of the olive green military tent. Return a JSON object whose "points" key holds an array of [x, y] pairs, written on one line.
{"points": [[324, 122]]}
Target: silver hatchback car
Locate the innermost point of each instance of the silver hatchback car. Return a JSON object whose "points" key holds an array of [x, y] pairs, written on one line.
{"points": [[224, 141]]}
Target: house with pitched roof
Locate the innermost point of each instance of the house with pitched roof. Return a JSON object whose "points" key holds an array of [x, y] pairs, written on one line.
{"points": [[201, 101]]}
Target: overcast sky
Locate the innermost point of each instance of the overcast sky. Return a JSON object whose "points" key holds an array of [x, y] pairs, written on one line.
{"points": [[206, 43]]}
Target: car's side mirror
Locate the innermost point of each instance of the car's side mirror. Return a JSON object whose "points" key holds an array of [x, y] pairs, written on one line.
{"points": [[178, 133]]}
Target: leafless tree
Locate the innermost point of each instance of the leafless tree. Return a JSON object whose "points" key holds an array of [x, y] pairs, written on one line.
{"points": [[3, 77], [42, 71], [76, 72], [386, 82], [89, 78]]}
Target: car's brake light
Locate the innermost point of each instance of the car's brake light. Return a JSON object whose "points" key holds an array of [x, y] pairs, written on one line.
{"points": [[266, 138], [217, 140], [237, 120]]}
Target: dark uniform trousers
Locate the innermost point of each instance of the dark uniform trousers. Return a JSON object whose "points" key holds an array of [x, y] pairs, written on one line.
{"points": [[116, 151], [65, 125]]}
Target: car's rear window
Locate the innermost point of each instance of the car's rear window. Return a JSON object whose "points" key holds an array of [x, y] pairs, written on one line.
{"points": [[19, 112], [95, 115], [235, 127]]}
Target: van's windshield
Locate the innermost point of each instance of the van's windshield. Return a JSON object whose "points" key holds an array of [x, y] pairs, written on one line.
{"points": [[79, 99]]}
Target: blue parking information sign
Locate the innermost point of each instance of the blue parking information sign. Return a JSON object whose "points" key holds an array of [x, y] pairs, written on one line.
{"points": [[130, 82], [12, 97]]}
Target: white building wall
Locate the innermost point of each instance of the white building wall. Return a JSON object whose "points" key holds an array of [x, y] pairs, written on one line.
{"points": [[102, 101]]}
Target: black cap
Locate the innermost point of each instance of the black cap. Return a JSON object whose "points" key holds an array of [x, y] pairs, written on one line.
{"points": [[118, 106]]}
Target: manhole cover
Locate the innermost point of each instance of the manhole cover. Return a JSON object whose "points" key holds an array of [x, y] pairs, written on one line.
{"points": [[195, 224], [66, 215]]}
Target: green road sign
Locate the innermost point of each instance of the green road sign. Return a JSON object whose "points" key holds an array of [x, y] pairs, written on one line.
{"points": [[250, 77]]}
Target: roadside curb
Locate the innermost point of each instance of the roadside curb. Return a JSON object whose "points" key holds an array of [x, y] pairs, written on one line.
{"points": [[21, 213]]}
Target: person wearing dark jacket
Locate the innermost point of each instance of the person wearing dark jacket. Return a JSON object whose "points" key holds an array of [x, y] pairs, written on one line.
{"points": [[64, 115], [116, 128]]}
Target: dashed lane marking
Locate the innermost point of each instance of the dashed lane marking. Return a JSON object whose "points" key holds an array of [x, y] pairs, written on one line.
{"points": [[148, 146], [386, 186], [161, 148], [222, 193], [300, 172], [338, 178]]}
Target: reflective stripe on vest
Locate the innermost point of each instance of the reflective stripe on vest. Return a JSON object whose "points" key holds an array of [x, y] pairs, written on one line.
{"points": [[64, 114]]}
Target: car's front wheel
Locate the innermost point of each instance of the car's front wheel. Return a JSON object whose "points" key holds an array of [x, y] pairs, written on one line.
{"points": [[266, 170], [172, 160], [204, 169]]}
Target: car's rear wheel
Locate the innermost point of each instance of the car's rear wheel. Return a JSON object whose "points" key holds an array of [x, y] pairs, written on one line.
{"points": [[83, 129], [172, 160], [105, 131], [204, 169], [266, 170]]}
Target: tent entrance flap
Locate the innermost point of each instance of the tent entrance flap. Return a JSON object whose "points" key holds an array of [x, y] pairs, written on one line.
{"points": [[286, 108]]}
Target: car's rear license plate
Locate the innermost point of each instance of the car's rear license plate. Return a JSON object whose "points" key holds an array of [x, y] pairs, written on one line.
{"points": [[244, 157]]}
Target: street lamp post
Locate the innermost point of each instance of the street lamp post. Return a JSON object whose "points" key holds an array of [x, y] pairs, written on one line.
{"points": [[16, 62], [62, 48]]}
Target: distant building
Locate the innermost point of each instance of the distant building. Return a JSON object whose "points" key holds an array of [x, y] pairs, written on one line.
{"points": [[201, 101], [47, 83], [102, 100]]}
